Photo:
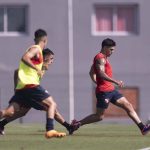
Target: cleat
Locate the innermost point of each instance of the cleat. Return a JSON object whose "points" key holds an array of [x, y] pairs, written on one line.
{"points": [[74, 126], [70, 129], [54, 133], [2, 132], [146, 129]]}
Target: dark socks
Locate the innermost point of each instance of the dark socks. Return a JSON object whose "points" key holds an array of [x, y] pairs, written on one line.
{"points": [[67, 125], [141, 125], [3, 122], [49, 124]]}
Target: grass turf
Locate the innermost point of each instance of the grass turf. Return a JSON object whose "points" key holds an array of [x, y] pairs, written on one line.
{"points": [[89, 137]]}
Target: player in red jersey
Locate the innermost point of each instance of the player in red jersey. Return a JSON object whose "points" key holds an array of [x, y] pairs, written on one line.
{"points": [[101, 75]]}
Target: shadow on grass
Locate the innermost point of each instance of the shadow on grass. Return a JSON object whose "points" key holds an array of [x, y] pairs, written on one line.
{"points": [[106, 135]]}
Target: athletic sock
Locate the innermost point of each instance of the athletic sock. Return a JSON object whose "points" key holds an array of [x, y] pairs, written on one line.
{"points": [[49, 124], [3, 122], [66, 124], [141, 125]]}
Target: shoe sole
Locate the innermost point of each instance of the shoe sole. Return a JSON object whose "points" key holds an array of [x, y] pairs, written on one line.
{"points": [[59, 135]]}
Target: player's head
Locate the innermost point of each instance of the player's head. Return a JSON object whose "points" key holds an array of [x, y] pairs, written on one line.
{"points": [[40, 36], [108, 46], [48, 56]]}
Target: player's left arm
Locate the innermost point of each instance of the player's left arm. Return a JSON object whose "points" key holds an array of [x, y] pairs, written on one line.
{"points": [[15, 78]]}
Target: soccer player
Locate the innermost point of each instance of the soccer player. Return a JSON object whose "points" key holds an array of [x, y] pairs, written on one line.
{"points": [[101, 75], [48, 57], [28, 89]]}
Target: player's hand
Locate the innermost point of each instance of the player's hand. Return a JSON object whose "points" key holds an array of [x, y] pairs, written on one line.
{"points": [[45, 66], [120, 84], [40, 73]]}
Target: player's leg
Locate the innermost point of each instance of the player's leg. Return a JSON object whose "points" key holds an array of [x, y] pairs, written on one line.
{"points": [[127, 106], [51, 110], [40, 99], [98, 116], [102, 104], [21, 113], [58, 117], [6, 113], [17, 114], [14, 105], [9, 111]]}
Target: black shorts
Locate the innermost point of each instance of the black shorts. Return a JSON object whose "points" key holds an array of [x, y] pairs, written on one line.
{"points": [[31, 97], [103, 98]]}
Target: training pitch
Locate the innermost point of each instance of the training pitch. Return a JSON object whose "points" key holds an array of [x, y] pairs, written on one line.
{"points": [[89, 137]]}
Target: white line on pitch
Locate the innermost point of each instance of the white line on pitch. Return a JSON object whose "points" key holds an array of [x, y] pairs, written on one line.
{"points": [[147, 148]]}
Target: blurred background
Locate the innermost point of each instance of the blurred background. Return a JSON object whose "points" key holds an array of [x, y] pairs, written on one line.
{"points": [[75, 30]]}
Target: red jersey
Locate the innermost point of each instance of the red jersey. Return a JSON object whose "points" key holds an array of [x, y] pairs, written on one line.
{"points": [[103, 85]]}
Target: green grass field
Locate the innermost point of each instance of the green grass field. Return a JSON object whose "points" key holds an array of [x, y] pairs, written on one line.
{"points": [[90, 137]]}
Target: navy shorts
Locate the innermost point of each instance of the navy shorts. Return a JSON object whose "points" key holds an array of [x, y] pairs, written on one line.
{"points": [[31, 97], [103, 98]]}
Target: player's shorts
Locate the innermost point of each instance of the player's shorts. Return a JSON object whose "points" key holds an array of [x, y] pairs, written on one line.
{"points": [[31, 97], [104, 98]]}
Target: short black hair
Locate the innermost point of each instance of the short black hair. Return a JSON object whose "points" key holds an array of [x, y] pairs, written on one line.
{"points": [[108, 42], [47, 51], [39, 34]]}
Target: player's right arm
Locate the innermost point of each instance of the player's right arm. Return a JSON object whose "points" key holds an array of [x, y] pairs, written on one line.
{"points": [[26, 58], [92, 74], [100, 66]]}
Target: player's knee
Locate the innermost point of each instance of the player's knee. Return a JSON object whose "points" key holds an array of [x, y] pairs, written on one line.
{"points": [[1, 114], [52, 103], [9, 113], [101, 117]]}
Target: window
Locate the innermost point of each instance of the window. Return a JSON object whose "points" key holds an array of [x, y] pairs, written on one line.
{"points": [[13, 20], [115, 20]]}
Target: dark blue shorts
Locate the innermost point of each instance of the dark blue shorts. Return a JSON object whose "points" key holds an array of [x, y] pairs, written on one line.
{"points": [[31, 97], [103, 98]]}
